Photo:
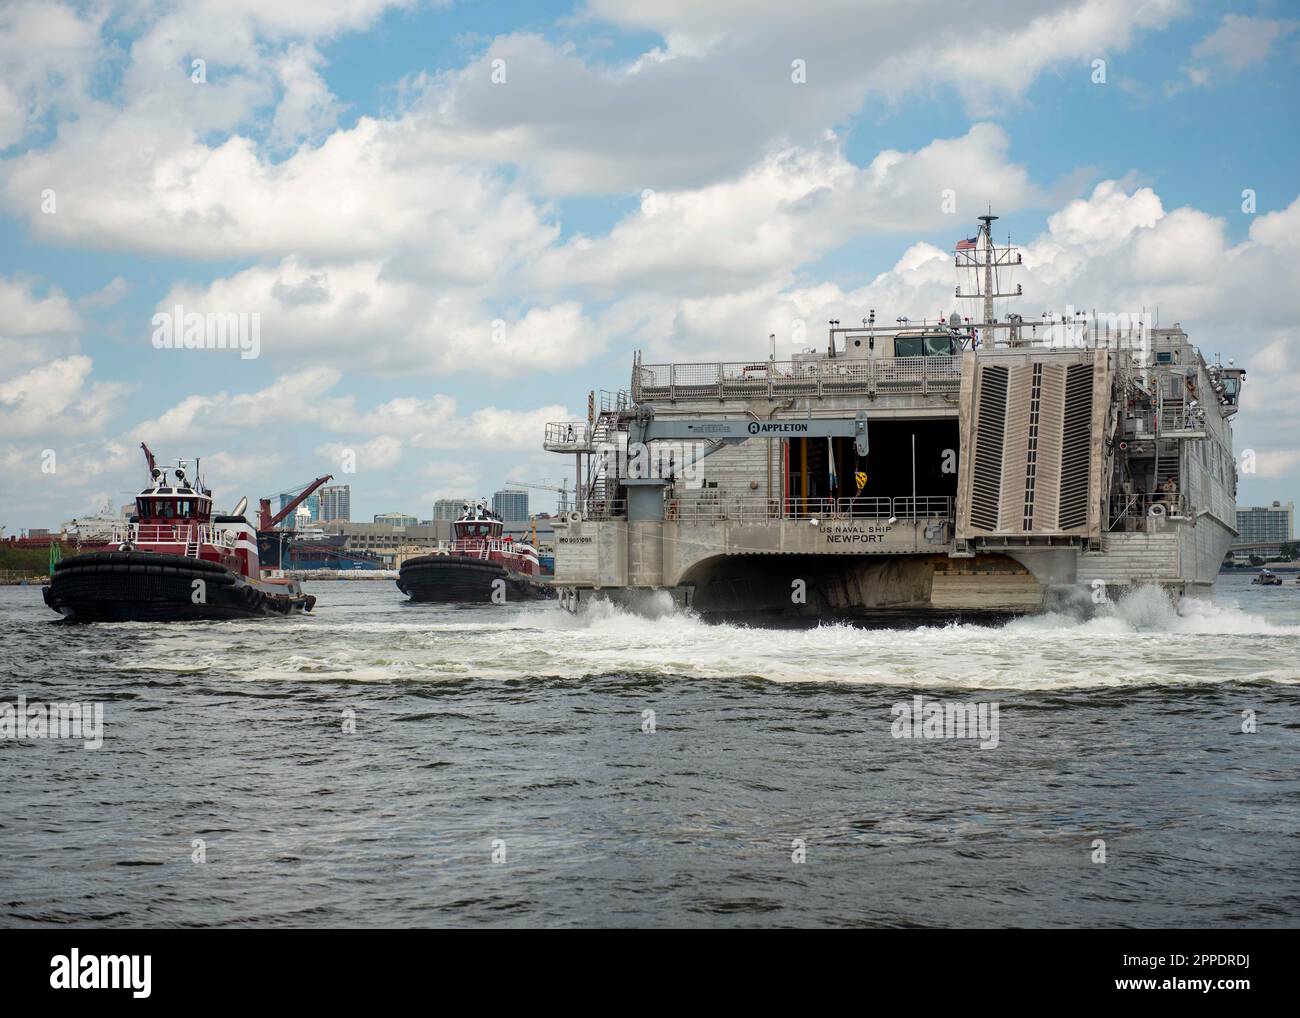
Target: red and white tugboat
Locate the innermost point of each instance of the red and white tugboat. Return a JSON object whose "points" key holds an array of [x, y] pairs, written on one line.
{"points": [[175, 561], [479, 566]]}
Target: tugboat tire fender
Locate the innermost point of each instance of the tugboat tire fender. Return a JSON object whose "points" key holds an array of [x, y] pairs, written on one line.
{"points": [[88, 569]]}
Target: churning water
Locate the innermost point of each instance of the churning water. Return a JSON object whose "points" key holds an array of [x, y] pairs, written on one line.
{"points": [[383, 763]]}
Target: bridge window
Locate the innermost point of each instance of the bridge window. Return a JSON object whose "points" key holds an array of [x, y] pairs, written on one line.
{"points": [[938, 345]]}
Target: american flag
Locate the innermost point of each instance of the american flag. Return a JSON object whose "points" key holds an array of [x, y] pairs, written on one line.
{"points": [[967, 245]]}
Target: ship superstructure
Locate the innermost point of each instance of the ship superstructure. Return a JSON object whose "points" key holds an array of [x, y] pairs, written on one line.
{"points": [[954, 465]]}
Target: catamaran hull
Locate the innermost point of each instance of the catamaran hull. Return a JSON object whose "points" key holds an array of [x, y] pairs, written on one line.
{"points": [[455, 579], [121, 586]]}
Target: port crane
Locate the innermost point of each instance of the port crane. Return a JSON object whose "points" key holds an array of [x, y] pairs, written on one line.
{"points": [[266, 521], [562, 491]]}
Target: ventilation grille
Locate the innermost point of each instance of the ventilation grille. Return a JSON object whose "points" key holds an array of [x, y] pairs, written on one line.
{"points": [[986, 486], [1076, 447], [1031, 457]]}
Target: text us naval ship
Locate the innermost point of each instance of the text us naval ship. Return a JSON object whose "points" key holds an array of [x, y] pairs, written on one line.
{"points": [[952, 467]]}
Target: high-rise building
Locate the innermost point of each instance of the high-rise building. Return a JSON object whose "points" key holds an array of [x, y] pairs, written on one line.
{"points": [[450, 508], [311, 503], [336, 502], [1267, 527], [510, 504], [397, 520]]}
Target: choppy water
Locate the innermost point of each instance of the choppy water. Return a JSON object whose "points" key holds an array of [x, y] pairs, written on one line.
{"points": [[523, 726]]}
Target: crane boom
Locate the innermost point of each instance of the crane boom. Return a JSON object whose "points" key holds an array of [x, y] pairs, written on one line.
{"points": [[562, 490], [266, 521]]}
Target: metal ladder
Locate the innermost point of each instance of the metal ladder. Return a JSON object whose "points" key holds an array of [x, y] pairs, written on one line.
{"points": [[605, 425]]}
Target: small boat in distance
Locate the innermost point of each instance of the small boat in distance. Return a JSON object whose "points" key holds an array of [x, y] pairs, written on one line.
{"points": [[173, 560], [1268, 578], [479, 566]]}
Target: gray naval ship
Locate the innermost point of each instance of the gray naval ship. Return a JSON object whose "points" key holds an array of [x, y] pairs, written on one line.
{"points": [[949, 468]]}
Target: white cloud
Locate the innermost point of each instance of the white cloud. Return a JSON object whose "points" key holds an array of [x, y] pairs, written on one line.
{"points": [[366, 191], [33, 328], [23, 313], [108, 295], [790, 209], [1240, 41], [719, 95], [360, 314], [305, 397], [307, 108], [57, 398], [380, 453], [424, 185], [48, 53], [738, 234]]}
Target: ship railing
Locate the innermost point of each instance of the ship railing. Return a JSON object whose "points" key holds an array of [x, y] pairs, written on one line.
{"points": [[1131, 512], [821, 377], [809, 508], [1181, 417], [479, 548], [714, 509], [614, 402], [922, 507], [562, 436], [172, 533]]}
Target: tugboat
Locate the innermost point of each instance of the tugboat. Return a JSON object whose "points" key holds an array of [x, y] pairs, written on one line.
{"points": [[173, 561], [478, 567]]}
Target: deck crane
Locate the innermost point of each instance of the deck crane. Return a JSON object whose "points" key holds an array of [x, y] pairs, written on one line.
{"points": [[562, 491], [266, 521]]}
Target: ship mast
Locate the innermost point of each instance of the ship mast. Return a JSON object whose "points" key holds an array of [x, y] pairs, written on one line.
{"points": [[986, 230], [987, 256]]}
